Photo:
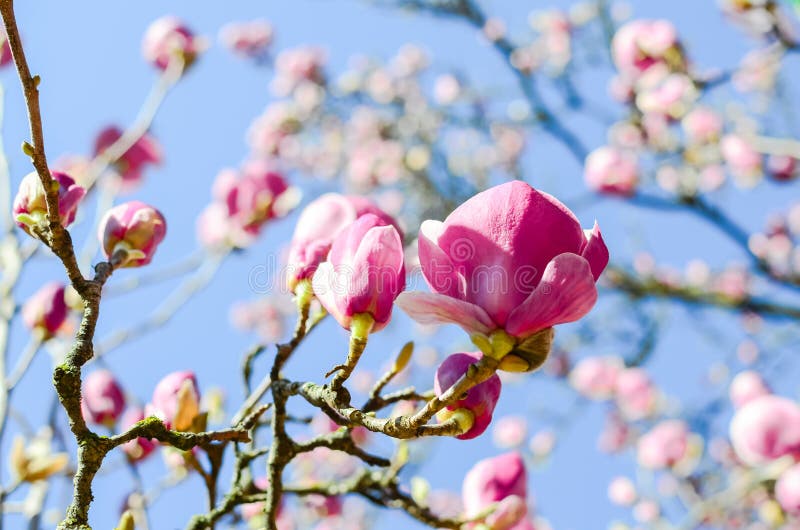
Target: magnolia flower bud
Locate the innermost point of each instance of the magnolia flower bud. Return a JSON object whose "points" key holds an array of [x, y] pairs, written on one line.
{"points": [[664, 445], [319, 224], [492, 480], [364, 273], [46, 311], [176, 400], [746, 387], [102, 398], [596, 377], [766, 428], [130, 233], [30, 204], [479, 400], [641, 44], [131, 164], [612, 171], [168, 39]]}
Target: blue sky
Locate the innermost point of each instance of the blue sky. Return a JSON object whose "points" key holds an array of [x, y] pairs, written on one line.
{"points": [[92, 74]]}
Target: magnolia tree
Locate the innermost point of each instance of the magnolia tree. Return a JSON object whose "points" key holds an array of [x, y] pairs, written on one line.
{"points": [[431, 209]]}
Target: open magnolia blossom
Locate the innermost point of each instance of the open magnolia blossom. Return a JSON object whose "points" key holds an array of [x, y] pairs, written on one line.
{"points": [[508, 265]]}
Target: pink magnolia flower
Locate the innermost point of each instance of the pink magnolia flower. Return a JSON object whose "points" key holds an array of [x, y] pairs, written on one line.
{"points": [[612, 171], [30, 204], [248, 39], [364, 272], [274, 127], [253, 197], [446, 89], [46, 311], [742, 160], [782, 168], [296, 66], [640, 44], [319, 224], [130, 166], [702, 125], [510, 431], [102, 400], [746, 387], [176, 400], [596, 377], [480, 400], [139, 448], [168, 38], [664, 445], [766, 428], [787, 490], [635, 393], [492, 480], [622, 491], [133, 230], [510, 258], [664, 93]]}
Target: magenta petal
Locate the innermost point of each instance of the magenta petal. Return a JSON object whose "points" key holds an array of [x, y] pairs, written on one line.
{"points": [[501, 239], [595, 251], [565, 294], [432, 308], [439, 271], [378, 274]]}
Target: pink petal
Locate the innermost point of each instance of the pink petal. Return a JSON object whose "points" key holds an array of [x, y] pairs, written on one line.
{"points": [[501, 239], [565, 294], [327, 289], [439, 271], [378, 273], [433, 308], [595, 251]]}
